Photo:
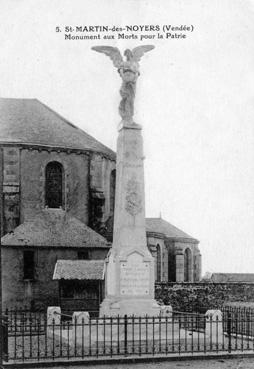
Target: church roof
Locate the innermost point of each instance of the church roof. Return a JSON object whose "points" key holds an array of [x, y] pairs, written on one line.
{"points": [[54, 228], [232, 277], [79, 269], [159, 225], [30, 122]]}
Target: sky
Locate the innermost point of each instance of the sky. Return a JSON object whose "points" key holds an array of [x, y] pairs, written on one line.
{"points": [[195, 101]]}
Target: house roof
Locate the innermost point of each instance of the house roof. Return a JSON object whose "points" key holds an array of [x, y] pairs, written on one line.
{"points": [[79, 269], [53, 227], [159, 225], [232, 277], [28, 121]]}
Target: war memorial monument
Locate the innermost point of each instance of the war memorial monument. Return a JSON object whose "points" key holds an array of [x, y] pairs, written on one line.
{"points": [[129, 266], [129, 274]]}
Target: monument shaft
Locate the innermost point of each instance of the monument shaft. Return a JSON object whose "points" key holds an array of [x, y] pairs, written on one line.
{"points": [[129, 215], [129, 277]]}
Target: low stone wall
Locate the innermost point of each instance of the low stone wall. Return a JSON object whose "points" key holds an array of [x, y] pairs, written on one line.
{"points": [[201, 297]]}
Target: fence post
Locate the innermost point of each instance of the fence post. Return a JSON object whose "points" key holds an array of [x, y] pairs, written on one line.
{"points": [[79, 318], [229, 331], [167, 311], [214, 327], [125, 335]]}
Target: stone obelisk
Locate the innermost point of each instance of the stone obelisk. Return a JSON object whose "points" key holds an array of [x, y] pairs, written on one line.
{"points": [[129, 274]]}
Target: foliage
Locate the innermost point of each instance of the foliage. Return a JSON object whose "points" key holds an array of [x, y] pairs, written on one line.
{"points": [[200, 297]]}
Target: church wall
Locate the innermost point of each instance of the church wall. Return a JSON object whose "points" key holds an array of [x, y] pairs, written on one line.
{"points": [[100, 171], [170, 245], [24, 197], [164, 262], [11, 188], [76, 179], [98, 254], [152, 245], [172, 258], [180, 248], [43, 290], [24, 184], [197, 264], [12, 290]]}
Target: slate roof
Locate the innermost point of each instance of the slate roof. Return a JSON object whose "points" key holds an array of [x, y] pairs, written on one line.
{"points": [[232, 277], [28, 121], [79, 269], [53, 227], [159, 225]]}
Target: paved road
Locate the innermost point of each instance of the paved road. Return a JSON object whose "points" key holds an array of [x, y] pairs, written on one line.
{"points": [[247, 363]]}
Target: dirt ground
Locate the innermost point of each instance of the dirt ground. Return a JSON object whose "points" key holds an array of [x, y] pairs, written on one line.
{"points": [[247, 363]]}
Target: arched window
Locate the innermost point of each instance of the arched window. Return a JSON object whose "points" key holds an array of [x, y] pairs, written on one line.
{"points": [[171, 265], [112, 190], [187, 265], [158, 261], [54, 185]]}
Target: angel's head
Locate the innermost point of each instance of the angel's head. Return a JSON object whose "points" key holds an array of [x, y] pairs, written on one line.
{"points": [[128, 54]]}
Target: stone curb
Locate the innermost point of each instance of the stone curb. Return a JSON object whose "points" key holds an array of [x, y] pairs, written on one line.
{"points": [[124, 360]]}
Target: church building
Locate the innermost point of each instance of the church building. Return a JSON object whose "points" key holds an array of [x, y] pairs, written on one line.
{"points": [[57, 187]]}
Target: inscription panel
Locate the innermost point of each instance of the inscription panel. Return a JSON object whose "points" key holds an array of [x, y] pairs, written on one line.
{"points": [[135, 276]]}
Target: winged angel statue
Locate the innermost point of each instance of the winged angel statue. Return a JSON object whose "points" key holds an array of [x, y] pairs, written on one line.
{"points": [[129, 72]]}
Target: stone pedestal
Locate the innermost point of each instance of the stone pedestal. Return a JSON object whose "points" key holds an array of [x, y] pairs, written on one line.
{"points": [[53, 315], [129, 277]]}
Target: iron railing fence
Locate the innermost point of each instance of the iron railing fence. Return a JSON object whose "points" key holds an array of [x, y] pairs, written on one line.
{"points": [[126, 336], [242, 319], [190, 321], [22, 320]]}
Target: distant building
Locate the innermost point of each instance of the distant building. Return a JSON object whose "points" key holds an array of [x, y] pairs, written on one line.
{"points": [[57, 188], [177, 256], [232, 278]]}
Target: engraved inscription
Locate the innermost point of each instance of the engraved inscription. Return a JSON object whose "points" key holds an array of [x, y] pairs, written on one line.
{"points": [[135, 277]]}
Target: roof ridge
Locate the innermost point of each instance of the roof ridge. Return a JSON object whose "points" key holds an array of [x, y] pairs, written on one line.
{"points": [[71, 124], [172, 225], [59, 115], [30, 120], [232, 273], [162, 224]]}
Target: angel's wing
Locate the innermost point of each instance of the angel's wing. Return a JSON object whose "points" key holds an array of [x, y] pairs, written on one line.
{"points": [[112, 52], [139, 51]]}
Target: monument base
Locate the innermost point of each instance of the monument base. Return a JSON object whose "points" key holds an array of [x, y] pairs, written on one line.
{"points": [[138, 307]]}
